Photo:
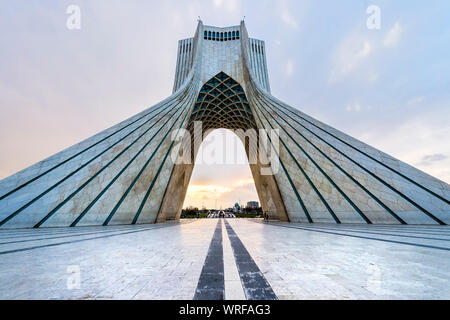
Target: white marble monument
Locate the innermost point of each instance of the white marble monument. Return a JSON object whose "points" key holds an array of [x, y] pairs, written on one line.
{"points": [[126, 174]]}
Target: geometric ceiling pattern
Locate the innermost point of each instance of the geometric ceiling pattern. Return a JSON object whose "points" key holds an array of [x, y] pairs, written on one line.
{"points": [[222, 103]]}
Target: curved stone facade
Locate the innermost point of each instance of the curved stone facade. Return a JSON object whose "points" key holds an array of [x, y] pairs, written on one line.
{"points": [[126, 174]]}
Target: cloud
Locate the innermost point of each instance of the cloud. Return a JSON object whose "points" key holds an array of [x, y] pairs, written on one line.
{"points": [[290, 68], [203, 190], [419, 140], [415, 101], [348, 56], [176, 18], [356, 49], [217, 3], [393, 36], [205, 193], [372, 77], [229, 5], [244, 183], [355, 106], [432, 158], [289, 20]]}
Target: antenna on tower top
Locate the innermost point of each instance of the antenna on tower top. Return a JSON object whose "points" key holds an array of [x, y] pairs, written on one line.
{"points": [[199, 19]]}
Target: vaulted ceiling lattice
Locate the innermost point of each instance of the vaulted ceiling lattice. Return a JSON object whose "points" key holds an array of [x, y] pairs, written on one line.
{"points": [[222, 103]]}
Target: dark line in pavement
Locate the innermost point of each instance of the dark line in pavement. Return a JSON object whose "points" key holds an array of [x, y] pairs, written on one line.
{"points": [[68, 235], [53, 231], [81, 240], [375, 229], [211, 284], [65, 231], [256, 287], [430, 231], [378, 233], [360, 237]]}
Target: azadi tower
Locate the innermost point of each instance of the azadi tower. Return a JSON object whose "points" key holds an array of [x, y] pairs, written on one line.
{"points": [[126, 174]]}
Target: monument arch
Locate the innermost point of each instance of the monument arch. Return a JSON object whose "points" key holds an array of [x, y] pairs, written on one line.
{"points": [[125, 174]]}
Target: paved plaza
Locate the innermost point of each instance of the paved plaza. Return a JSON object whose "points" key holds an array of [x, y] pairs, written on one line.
{"points": [[226, 259]]}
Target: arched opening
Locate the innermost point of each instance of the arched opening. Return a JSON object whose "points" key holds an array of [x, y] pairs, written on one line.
{"points": [[221, 176], [221, 104]]}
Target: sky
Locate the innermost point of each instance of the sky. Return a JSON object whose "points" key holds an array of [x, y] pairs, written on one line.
{"points": [[388, 87]]}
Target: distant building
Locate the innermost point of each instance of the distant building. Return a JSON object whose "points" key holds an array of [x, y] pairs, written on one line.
{"points": [[253, 204]]}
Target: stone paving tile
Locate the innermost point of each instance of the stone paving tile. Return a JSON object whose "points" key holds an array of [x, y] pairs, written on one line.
{"points": [[165, 261], [149, 264], [326, 266]]}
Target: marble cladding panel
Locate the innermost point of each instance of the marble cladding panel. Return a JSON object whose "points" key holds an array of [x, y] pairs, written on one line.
{"points": [[321, 182], [385, 194], [40, 167], [425, 199], [130, 205], [418, 176], [105, 204], [361, 199], [52, 197], [32, 190], [152, 205], [62, 191], [221, 56], [133, 201]]}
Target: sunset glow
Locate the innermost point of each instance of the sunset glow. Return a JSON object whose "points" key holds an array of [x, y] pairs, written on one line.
{"points": [[221, 185]]}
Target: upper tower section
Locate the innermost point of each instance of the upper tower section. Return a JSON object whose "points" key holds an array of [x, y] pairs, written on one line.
{"points": [[213, 50]]}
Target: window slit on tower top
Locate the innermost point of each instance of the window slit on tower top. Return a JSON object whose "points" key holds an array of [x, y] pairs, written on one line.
{"points": [[221, 36]]}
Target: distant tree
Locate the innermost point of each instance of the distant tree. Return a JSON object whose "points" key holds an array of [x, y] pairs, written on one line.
{"points": [[190, 212]]}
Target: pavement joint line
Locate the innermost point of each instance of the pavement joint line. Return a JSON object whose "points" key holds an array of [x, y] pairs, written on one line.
{"points": [[68, 232], [30, 232], [256, 286], [81, 240], [444, 231], [69, 235], [382, 233], [211, 284], [355, 236]]}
